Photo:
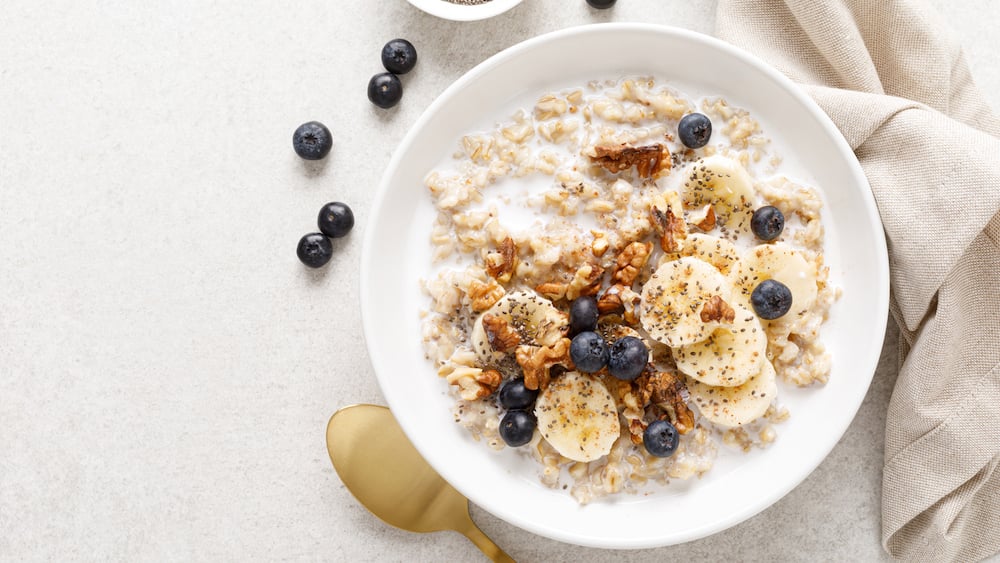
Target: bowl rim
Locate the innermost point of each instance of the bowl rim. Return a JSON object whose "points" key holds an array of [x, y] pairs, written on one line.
{"points": [[878, 326], [458, 12]]}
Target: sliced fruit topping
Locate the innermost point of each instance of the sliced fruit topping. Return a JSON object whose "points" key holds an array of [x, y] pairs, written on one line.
{"points": [[736, 406], [578, 417], [788, 266], [729, 356], [673, 298]]}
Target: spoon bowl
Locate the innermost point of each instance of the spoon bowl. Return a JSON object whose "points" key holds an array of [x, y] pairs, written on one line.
{"points": [[387, 475]]}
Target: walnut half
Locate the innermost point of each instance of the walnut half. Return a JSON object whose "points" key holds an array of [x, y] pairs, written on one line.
{"points": [[500, 263], [484, 295], [665, 390], [715, 309], [669, 227], [535, 362], [630, 262], [648, 160], [501, 336]]}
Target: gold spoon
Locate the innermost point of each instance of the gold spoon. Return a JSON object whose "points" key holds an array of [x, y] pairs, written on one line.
{"points": [[386, 474]]}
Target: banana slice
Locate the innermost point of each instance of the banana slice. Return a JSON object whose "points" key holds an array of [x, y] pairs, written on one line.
{"points": [[535, 319], [724, 183], [717, 251], [673, 298], [730, 356], [736, 406], [578, 417], [773, 261]]}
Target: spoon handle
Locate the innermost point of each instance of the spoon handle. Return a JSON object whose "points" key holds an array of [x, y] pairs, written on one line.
{"points": [[485, 544]]}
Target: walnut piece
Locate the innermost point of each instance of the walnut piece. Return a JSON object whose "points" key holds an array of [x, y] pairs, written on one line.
{"points": [[535, 362], [715, 309], [648, 160], [490, 379], [610, 304], [586, 281], [484, 295], [553, 290], [669, 227], [501, 336], [500, 263], [630, 262], [666, 391], [704, 218]]}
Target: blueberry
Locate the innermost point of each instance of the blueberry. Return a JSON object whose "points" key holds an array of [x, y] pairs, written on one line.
{"points": [[589, 352], [399, 56], [517, 427], [312, 141], [336, 219], [771, 299], [694, 130], [514, 395], [583, 314], [385, 90], [627, 358], [660, 438], [767, 222], [601, 4], [315, 250]]}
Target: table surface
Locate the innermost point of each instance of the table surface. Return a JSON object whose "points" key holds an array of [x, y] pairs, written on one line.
{"points": [[167, 367]]}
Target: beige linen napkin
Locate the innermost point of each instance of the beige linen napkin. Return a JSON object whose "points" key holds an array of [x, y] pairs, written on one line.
{"points": [[896, 83]]}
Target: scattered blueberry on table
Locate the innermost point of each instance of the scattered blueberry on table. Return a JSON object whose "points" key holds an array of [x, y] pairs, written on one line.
{"points": [[312, 141], [514, 395], [660, 438], [583, 314], [771, 299], [336, 219], [517, 427], [767, 223], [601, 4], [399, 56], [385, 90], [315, 250], [627, 358], [694, 130], [589, 352]]}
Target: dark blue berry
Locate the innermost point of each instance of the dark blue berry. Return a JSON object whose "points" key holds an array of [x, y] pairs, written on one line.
{"points": [[771, 299], [315, 250], [517, 427], [589, 352], [628, 358], [767, 222], [399, 56], [660, 438], [694, 130], [583, 314], [601, 4], [312, 141], [385, 90], [514, 395], [336, 219]]}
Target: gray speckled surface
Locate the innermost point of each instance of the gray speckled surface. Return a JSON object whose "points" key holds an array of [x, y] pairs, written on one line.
{"points": [[167, 368]]}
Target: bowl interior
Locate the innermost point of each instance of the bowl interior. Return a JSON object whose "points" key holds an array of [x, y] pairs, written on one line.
{"points": [[461, 12], [396, 254]]}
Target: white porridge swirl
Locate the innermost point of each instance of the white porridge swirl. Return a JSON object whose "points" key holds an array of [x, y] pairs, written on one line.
{"points": [[614, 302]]}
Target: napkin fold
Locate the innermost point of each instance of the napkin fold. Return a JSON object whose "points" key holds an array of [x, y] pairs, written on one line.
{"points": [[896, 83]]}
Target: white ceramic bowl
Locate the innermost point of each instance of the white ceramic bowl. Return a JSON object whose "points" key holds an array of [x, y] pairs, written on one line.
{"points": [[396, 254], [460, 12]]}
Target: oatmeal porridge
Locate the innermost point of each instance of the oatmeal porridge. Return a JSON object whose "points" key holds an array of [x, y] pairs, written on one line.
{"points": [[623, 275]]}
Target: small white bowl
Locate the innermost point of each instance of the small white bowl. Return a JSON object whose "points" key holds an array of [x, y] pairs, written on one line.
{"points": [[460, 12]]}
